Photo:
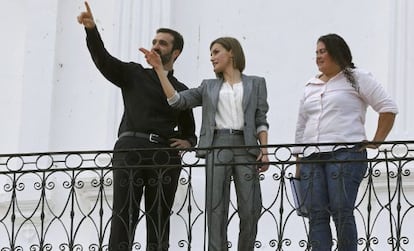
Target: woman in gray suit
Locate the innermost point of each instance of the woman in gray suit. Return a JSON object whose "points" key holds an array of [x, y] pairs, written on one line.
{"points": [[234, 108]]}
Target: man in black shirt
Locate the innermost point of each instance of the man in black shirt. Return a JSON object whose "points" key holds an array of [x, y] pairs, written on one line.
{"points": [[148, 122]]}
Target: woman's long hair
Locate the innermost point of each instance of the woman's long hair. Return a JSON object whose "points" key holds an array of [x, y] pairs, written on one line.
{"points": [[341, 54]]}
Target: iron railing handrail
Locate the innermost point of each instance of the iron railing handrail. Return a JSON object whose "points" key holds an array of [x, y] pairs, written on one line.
{"points": [[63, 183]]}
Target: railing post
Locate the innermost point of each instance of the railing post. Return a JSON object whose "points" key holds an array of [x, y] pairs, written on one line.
{"points": [[389, 199]]}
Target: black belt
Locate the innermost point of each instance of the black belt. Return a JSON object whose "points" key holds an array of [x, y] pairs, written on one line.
{"points": [[151, 137], [228, 131]]}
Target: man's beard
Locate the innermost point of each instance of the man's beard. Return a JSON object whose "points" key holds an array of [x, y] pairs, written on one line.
{"points": [[165, 58]]}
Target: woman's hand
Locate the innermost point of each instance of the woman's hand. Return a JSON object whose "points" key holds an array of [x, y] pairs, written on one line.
{"points": [[297, 170], [265, 160]]}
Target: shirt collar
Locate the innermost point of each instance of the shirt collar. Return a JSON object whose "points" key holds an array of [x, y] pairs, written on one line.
{"points": [[317, 81]]}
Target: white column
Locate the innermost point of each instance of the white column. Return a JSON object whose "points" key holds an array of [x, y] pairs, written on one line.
{"points": [[37, 81], [401, 76], [11, 73], [137, 23]]}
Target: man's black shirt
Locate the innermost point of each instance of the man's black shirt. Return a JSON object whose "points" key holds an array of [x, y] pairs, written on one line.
{"points": [[146, 109]]}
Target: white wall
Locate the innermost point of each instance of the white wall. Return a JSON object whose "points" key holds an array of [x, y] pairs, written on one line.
{"points": [[52, 98], [12, 49], [279, 38]]}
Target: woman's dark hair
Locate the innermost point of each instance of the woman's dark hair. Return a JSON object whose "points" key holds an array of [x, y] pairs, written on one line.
{"points": [[341, 54], [233, 45]]}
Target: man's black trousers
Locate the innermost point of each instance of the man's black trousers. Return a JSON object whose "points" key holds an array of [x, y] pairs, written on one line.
{"points": [[153, 173]]}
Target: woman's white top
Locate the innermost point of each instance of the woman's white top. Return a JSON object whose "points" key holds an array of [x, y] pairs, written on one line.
{"points": [[229, 107], [334, 111]]}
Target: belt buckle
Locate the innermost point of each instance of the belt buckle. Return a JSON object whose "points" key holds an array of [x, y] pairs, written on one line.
{"points": [[232, 131], [152, 137]]}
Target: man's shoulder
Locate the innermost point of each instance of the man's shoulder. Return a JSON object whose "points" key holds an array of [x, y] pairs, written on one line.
{"points": [[178, 85], [137, 68]]}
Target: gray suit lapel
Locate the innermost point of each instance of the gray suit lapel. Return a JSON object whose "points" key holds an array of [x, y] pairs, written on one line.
{"points": [[215, 91], [247, 90]]}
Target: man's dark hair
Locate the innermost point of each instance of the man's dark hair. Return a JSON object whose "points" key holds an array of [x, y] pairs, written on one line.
{"points": [[178, 43]]}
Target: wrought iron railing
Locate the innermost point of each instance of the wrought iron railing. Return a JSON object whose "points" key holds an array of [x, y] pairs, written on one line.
{"points": [[63, 201]]}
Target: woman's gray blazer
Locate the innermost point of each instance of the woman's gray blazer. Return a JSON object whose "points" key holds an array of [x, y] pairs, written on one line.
{"points": [[254, 103]]}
